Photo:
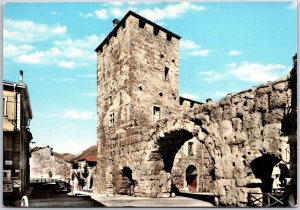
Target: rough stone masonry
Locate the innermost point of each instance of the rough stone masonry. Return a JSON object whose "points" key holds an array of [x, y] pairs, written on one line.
{"points": [[146, 131]]}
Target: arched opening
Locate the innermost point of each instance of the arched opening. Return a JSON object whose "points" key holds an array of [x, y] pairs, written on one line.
{"points": [[170, 144], [191, 175], [262, 168], [280, 175], [127, 183]]}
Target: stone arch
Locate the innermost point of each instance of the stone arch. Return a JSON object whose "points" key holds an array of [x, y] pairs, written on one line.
{"points": [[168, 139], [262, 168], [165, 141], [123, 176]]}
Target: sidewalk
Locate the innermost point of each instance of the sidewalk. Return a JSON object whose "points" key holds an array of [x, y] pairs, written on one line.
{"points": [[130, 201]]}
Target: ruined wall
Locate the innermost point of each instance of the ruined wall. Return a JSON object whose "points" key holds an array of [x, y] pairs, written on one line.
{"points": [[241, 128]]}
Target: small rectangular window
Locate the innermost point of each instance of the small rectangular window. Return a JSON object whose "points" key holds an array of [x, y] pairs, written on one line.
{"points": [[110, 100], [190, 149], [166, 73], [111, 119], [156, 113], [5, 105], [141, 24]]}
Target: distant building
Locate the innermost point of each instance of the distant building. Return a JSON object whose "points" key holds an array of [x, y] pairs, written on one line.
{"points": [[43, 164], [17, 114], [88, 162]]}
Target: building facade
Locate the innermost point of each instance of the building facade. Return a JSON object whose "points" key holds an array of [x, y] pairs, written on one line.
{"points": [[17, 114]]}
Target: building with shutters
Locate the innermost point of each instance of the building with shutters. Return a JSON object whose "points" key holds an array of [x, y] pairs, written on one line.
{"points": [[17, 114]]}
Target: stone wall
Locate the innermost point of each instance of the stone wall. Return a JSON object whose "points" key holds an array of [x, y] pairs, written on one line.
{"points": [[242, 134], [241, 128]]}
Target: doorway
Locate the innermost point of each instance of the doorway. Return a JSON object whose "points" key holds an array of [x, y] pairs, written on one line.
{"points": [[191, 178]]}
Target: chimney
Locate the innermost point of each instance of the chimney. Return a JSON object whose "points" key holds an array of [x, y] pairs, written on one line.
{"points": [[115, 22], [21, 76]]}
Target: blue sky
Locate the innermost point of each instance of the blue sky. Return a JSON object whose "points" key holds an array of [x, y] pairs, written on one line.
{"points": [[225, 48]]}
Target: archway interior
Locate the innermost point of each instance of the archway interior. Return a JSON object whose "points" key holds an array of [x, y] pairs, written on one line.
{"points": [[170, 144], [262, 168], [126, 181], [127, 172], [191, 177]]}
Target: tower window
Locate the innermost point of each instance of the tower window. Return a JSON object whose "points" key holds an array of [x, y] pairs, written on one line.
{"points": [[190, 149], [166, 73], [111, 119], [141, 24], [156, 113], [110, 100]]}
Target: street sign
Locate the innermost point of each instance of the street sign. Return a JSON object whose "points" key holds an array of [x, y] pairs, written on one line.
{"points": [[8, 162], [17, 183], [6, 175], [7, 187]]}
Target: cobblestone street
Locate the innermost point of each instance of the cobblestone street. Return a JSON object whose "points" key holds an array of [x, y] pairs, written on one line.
{"points": [[45, 195]]}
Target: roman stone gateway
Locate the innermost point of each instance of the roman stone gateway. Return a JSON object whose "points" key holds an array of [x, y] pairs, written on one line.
{"points": [[152, 142]]}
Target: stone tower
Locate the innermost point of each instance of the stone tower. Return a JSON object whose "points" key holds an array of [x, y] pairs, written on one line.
{"points": [[137, 80]]}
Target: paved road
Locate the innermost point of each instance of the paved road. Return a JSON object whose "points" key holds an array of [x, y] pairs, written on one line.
{"points": [[45, 195]]}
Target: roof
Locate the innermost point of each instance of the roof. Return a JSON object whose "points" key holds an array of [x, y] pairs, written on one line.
{"points": [[89, 158], [122, 22], [187, 99]]}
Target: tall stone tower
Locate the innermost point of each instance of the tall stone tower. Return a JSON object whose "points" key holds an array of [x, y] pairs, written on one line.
{"points": [[137, 80]]}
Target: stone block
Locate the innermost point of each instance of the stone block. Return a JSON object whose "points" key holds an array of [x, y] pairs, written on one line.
{"points": [[236, 124], [272, 131], [225, 101], [278, 99], [274, 116], [252, 120], [236, 99], [229, 112], [225, 128], [261, 102], [255, 133], [264, 89], [216, 114], [280, 86]]}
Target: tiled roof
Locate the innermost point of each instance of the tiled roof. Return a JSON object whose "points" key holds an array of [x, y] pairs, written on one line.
{"points": [[89, 158]]}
